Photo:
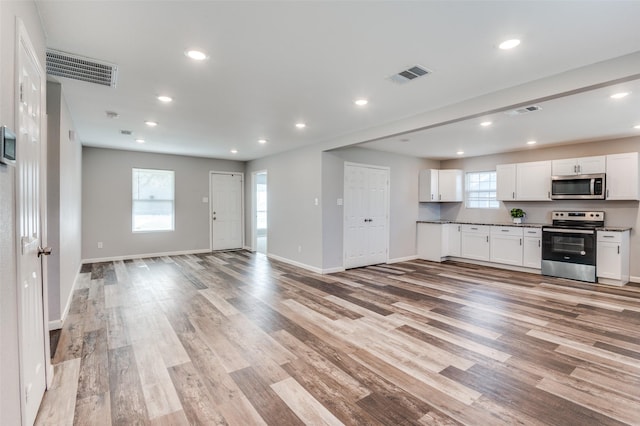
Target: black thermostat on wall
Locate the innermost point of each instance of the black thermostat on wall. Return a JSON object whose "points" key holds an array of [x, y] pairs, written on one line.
{"points": [[7, 146]]}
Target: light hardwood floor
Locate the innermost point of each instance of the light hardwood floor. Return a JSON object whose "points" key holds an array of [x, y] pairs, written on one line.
{"points": [[234, 338]]}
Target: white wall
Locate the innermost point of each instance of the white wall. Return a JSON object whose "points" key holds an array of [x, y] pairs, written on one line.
{"points": [[64, 202], [403, 199], [9, 380], [294, 230], [106, 202], [617, 213]]}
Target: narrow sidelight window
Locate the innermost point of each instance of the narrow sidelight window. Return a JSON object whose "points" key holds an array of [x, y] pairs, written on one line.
{"points": [[153, 200]]}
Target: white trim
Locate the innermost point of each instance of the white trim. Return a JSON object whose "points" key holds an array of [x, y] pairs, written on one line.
{"points": [[57, 324], [242, 218], [294, 263], [634, 279], [254, 208], [333, 270], [403, 259], [145, 255]]}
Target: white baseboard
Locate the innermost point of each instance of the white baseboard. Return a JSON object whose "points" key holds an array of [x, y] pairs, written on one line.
{"points": [[333, 270], [142, 256], [57, 324], [403, 259], [298, 264], [634, 279]]}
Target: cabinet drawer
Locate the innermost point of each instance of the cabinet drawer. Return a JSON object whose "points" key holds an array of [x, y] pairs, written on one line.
{"points": [[480, 229], [609, 236], [533, 232], [506, 230]]}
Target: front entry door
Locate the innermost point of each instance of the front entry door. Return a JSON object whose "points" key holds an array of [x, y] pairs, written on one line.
{"points": [[226, 211], [32, 337]]}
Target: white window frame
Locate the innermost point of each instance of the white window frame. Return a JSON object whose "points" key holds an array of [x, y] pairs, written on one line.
{"points": [[493, 202], [134, 170]]}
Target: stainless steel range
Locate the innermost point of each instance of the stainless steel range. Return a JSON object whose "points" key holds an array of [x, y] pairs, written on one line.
{"points": [[569, 245]]}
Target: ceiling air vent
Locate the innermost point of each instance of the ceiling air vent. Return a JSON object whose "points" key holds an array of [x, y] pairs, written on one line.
{"points": [[62, 64], [409, 74], [126, 132], [524, 110]]}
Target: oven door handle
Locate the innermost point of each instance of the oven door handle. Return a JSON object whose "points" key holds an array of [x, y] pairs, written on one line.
{"points": [[569, 231]]}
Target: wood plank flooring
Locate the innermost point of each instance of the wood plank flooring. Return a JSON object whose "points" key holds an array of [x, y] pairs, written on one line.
{"points": [[233, 338]]}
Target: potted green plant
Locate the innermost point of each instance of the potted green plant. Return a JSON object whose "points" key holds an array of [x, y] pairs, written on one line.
{"points": [[517, 215]]}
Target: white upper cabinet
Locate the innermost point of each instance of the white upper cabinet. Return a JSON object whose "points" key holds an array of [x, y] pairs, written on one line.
{"points": [[622, 178], [524, 181], [578, 166], [440, 185], [506, 182]]}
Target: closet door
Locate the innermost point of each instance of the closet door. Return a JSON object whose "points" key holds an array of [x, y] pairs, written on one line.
{"points": [[366, 191]]}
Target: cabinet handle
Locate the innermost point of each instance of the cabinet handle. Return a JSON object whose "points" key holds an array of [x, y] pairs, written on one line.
{"points": [[431, 197], [607, 193], [505, 230], [538, 243], [520, 241], [513, 195], [458, 228], [440, 197], [474, 229], [487, 238], [618, 249], [607, 236]]}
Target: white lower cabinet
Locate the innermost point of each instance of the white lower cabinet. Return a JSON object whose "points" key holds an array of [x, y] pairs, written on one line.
{"points": [[506, 245], [430, 241], [454, 231], [532, 248], [474, 242], [612, 257]]}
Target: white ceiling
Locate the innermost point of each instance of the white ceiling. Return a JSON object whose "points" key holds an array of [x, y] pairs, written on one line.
{"points": [[274, 63]]}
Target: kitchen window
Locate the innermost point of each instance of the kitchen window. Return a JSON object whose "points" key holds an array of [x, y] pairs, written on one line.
{"points": [[153, 200], [481, 190]]}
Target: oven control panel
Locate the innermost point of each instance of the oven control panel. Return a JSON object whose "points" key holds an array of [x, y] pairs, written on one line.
{"points": [[578, 216]]}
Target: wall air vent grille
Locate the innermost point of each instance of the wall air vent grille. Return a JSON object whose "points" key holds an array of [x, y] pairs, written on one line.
{"points": [[525, 110], [409, 74], [62, 64]]}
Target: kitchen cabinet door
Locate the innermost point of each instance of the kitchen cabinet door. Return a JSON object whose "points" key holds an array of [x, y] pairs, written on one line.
{"points": [[474, 242], [622, 180], [612, 257], [506, 245], [428, 185], [453, 239], [578, 166], [450, 185], [532, 248], [533, 181], [506, 182]]}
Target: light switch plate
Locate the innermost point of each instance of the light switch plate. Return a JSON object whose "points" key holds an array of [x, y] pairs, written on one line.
{"points": [[205, 199]]}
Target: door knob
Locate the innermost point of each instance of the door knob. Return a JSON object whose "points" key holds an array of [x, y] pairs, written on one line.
{"points": [[44, 251]]}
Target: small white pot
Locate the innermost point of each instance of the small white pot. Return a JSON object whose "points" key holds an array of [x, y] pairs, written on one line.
{"points": [[517, 220]]}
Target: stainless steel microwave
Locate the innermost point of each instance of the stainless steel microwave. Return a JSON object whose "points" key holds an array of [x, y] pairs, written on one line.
{"points": [[578, 187]]}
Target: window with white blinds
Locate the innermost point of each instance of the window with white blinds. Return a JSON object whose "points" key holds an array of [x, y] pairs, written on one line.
{"points": [[481, 190], [152, 200]]}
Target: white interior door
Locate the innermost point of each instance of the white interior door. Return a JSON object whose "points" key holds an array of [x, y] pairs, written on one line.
{"points": [[32, 332], [226, 211], [365, 215]]}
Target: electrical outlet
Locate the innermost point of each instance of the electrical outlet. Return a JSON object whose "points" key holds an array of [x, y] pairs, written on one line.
{"points": [[99, 244]]}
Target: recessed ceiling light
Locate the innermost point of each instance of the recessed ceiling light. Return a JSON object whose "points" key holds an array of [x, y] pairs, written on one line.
{"points": [[165, 99], [620, 95], [151, 123], [486, 123], [531, 142], [234, 151], [361, 102], [140, 140], [262, 141], [301, 125], [196, 55], [637, 127], [460, 152], [509, 44]]}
